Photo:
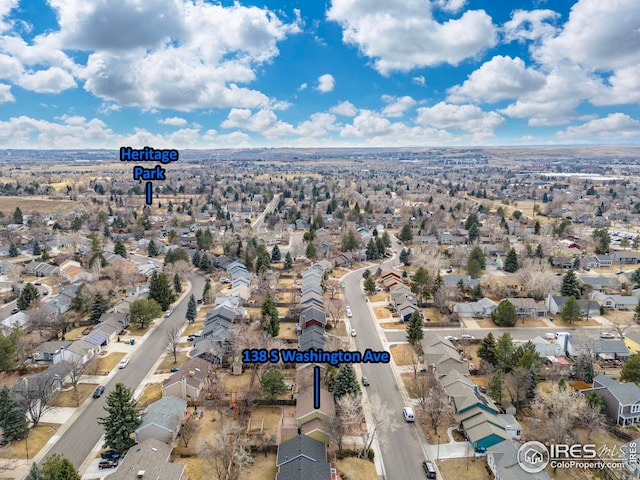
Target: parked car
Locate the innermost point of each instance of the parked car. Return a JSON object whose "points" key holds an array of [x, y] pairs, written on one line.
{"points": [[168, 313], [429, 469], [466, 336], [97, 393], [451, 338], [607, 335], [365, 381], [123, 363], [110, 454], [349, 314], [108, 463], [14, 311], [37, 284], [175, 369], [225, 280], [353, 332], [550, 336]]}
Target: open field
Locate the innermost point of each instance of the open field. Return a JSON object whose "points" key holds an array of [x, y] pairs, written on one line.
{"points": [[32, 205], [67, 398], [38, 437], [357, 469], [192, 327], [431, 314]]}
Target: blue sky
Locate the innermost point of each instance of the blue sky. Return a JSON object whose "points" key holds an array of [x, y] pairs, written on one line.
{"points": [[199, 74]]}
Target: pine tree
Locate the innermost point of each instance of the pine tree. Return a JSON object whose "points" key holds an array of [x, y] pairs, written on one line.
{"points": [[288, 261], [570, 311], [505, 314], [192, 309], [532, 382], [196, 260], [120, 249], [511, 262], [57, 467], [45, 254], [27, 295], [35, 473], [536, 228], [474, 233], [205, 263], [570, 285], [13, 250], [177, 283], [310, 252], [270, 316], [123, 417], [17, 216], [37, 249], [346, 381], [414, 329], [539, 253], [13, 421], [152, 248], [370, 285], [275, 254], [487, 349], [476, 292], [406, 235], [207, 294], [99, 305], [494, 388], [160, 290]]}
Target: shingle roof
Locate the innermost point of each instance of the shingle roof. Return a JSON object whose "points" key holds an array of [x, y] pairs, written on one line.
{"points": [[625, 393], [301, 446], [166, 413]]}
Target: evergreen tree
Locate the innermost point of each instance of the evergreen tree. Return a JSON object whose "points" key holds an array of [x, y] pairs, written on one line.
{"points": [[35, 473], [603, 240], [195, 260], [160, 290], [177, 283], [473, 268], [13, 250], [152, 248], [192, 309], [13, 421], [406, 235], [273, 383], [369, 285], [631, 369], [207, 295], [205, 263], [346, 381], [635, 277], [471, 220], [476, 292], [386, 239], [494, 388], [511, 262], [99, 305], [120, 249], [505, 314], [532, 382], [570, 311], [414, 329], [275, 254], [570, 285], [270, 316], [504, 352], [404, 257], [123, 417], [45, 254], [311, 252], [474, 233], [487, 349], [57, 467], [636, 314], [288, 262], [37, 249], [143, 310], [350, 241], [478, 254], [27, 295], [539, 253], [421, 285], [536, 228], [17, 216]]}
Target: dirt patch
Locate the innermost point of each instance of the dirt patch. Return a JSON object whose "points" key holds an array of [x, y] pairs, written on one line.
{"points": [[382, 312], [433, 315], [264, 468], [394, 325], [266, 417], [455, 468], [402, 354], [31, 205], [38, 437], [192, 328], [287, 330], [150, 394], [167, 362], [109, 362], [378, 297], [356, 469], [236, 383], [67, 398]]}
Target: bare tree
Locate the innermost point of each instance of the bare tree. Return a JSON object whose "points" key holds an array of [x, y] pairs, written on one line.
{"points": [[188, 429], [517, 383], [35, 394], [557, 411], [437, 407], [333, 287], [76, 369], [537, 278], [227, 454], [592, 418], [334, 308], [173, 343], [348, 411], [383, 421], [92, 366], [440, 299], [40, 318], [620, 324]]}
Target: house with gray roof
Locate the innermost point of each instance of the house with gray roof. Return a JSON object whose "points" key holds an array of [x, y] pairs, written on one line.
{"points": [[161, 420], [17, 319], [615, 302], [451, 281], [483, 308], [303, 458], [502, 460], [148, 460], [622, 400]]}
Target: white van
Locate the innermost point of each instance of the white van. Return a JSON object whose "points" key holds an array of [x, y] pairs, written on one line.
{"points": [[409, 416]]}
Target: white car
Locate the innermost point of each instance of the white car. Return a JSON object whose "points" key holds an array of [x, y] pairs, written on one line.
{"points": [[607, 335], [353, 332], [451, 338], [466, 336], [168, 313], [123, 363], [550, 336], [349, 314]]}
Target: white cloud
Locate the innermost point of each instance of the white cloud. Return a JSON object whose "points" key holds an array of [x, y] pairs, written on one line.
{"points": [[397, 106], [624, 87], [174, 121], [498, 79], [263, 121], [615, 125], [303, 87], [5, 93], [451, 6], [367, 124], [5, 7], [346, 109], [468, 118], [419, 80], [400, 36], [530, 25], [318, 125], [326, 83], [51, 80]]}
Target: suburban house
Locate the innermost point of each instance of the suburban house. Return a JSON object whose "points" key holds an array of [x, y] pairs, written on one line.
{"points": [[303, 458], [451, 281], [51, 352], [312, 316], [601, 282], [161, 420], [622, 400], [188, 382], [615, 302], [17, 319], [482, 308], [315, 422], [442, 358], [73, 272], [148, 459], [313, 336], [502, 460], [391, 278], [554, 304], [528, 307], [626, 257], [406, 309]]}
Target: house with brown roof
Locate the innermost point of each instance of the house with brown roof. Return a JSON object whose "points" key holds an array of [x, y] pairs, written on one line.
{"points": [[148, 459], [188, 382], [314, 422]]}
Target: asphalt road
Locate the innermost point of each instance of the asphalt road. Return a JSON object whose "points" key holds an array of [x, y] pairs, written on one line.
{"points": [[79, 439], [402, 453]]}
